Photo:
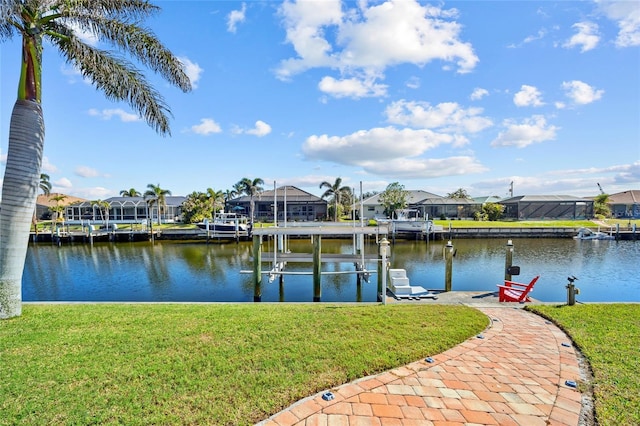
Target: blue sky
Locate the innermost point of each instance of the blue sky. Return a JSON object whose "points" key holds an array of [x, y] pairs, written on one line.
{"points": [[434, 95]]}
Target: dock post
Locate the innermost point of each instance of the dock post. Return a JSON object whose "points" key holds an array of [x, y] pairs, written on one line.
{"points": [[448, 260], [317, 268], [508, 261], [257, 264], [384, 254], [379, 274]]}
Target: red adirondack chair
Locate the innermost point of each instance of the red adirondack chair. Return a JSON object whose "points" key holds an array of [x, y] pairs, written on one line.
{"points": [[512, 291]]}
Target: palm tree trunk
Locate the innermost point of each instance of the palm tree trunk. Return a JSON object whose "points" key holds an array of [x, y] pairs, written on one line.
{"points": [[19, 193]]}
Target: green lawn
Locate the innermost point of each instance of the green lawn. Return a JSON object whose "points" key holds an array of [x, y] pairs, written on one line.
{"points": [[517, 224], [140, 364], [609, 336], [231, 364]]}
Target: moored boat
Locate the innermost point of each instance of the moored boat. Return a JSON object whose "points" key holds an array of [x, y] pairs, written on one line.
{"points": [[588, 234], [408, 221], [226, 222]]}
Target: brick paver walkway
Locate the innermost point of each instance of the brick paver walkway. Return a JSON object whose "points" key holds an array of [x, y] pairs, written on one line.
{"points": [[514, 373]]}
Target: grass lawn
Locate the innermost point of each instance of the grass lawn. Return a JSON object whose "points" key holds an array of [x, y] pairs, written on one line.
{"points": [[609, 336], [517, 224], [231, 364]]}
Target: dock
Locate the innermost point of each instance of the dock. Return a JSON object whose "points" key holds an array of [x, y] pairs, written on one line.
{"points": [[95, 236], [281, 256]]}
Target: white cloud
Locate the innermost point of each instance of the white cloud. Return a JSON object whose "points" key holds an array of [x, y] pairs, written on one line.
{"points": [[540, 35], [531, 130], [351, 88], [580, 92], [378, 144], [86, 36], [627, 174], [413, 83], [479, 93], [92, 193], [391, 152], [367, 39], [261, 129], [86, 172], [192, 70], [235, 17], [528, 96], [626, 14], [47, 167], [106, 114], [206, 127], [61, 183], [578, 182], [415, 168], [447, 116], [73, 74], [587, 36]]}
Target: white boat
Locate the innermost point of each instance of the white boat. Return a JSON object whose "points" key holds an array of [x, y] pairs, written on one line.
{"points": [[588, 234], [408, 220], [226, 223]]}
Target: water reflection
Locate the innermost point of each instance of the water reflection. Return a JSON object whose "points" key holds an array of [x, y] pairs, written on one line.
{"points": [[179, 271]]}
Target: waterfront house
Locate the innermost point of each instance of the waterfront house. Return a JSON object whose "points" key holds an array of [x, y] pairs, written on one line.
{"points": [[373, 208], [126, 210], [45, 202], [625, 204], [525, 207], [444, 207], [301, 205]]}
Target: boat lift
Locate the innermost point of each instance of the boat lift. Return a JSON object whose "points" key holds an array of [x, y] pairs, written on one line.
{"points": [[281, 256]]}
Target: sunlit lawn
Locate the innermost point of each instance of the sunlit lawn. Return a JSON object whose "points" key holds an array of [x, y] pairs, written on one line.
{"points": [[229, 364], [139, 364], [609, 336]]}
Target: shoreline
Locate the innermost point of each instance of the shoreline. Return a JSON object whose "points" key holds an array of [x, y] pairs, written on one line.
{"points": [[124, 235]]}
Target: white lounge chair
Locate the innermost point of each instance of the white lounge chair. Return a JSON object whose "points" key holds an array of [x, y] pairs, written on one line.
{"points": [[402, 289]]}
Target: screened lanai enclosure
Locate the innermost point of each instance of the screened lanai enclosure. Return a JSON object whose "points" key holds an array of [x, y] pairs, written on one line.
{"points": [[547, 207], [126, 210]]}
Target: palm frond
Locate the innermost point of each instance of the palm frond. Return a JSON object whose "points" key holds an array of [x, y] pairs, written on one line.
{"points": [[120, 9], [141, 43], [117, 78], [9, 17]]}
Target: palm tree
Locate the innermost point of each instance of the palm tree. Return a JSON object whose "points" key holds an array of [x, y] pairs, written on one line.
{"points": [[58, 209], [216, 199], [45, 184], [251, 188], [130, 193], [601, 205], [116, 23], [103, 208], [230, 194], [156, 195], [336, 191]]}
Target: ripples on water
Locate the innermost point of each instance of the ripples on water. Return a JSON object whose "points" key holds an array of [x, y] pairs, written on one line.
{"points": [[180, 271]]}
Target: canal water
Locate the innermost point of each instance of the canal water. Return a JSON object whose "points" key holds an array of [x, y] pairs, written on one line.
{"points": [[607, 271]]}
